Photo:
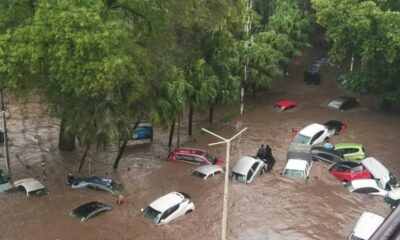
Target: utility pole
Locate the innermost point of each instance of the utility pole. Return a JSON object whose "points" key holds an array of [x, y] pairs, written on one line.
{"points": [[247, 42], [225, 202]]}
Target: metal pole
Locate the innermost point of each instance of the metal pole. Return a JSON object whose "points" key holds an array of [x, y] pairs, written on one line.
{"points": [[225, 205], [226, 181], [6, 144]]}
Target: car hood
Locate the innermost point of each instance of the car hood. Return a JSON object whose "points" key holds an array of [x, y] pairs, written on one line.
{"points": [[377, 170], [367, 225]]}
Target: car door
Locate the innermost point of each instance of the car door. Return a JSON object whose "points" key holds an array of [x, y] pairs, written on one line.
{"points": [[169, 214], [253, 172]]}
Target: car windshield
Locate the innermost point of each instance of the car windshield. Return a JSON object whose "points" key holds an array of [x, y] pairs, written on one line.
{"points": [[301, 139], [116, 186], [39, 192], [294, 173], [211, 159], [239, 177], [151, 213], [349, 187], [198, 174]]}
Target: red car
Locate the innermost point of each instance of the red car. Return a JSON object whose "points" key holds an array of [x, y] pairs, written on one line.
{"points": [[286, 104], [195, 156], [348, 171]]}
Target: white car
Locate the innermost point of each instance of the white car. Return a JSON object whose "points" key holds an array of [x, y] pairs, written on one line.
{"points": [[313, 134], [168, 207], [246, 168], [370, 186], [31, 186], [207, 171], [297, 168], [380, 172], [366, 226]]}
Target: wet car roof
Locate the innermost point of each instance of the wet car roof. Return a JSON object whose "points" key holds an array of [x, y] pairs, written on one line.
{"points": [[243, 165], [30, 184], [163, 203], [86, 209], [207, 169], [312, 129]]}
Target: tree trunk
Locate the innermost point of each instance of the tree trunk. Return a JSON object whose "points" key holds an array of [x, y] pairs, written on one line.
{"points": [[66, 141], [190, 120], [122, 148], [84, 157], [254, 91], [179, 131], [211, 114], [171, 135]]}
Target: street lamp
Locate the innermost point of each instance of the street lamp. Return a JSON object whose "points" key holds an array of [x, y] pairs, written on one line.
{"points": [[225, 205]]}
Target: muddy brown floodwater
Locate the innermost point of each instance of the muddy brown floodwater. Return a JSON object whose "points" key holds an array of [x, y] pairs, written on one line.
{"points": [[271, 207]]}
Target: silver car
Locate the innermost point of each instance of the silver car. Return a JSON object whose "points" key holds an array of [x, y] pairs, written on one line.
{"points": [[247, 168], [207, 171]]}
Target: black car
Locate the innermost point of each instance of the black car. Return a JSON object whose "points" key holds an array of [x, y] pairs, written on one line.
{"points": [[335, 126], [343, 103], [97, 182], [326, 155], [88, 210]]}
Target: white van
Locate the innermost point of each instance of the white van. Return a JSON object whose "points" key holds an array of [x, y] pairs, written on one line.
{"points": [[299, 161], [366, 226], [380, 173]]}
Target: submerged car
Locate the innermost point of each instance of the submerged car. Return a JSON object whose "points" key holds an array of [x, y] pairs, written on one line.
{"points": [[326, 155], [370, 186], [97, 182], [380, 172], [393, 197], [351, 151], [366, 225], [313, 134], [4, 182], [32, 187], [89, 210], [168, 207], [246, 168], [286, 104], [143, 131], [335, 126], [299, 161], [194, 156], [349, 171], [207, 171], [343, 103]]}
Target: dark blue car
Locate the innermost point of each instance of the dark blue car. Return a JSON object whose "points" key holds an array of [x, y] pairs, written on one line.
{"points": [[144, 131]]}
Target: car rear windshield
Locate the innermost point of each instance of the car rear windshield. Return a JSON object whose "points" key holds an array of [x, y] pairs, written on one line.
{"points": [[301, 139], [198, 174], [239, 177], [211, 159], [151, 213]]}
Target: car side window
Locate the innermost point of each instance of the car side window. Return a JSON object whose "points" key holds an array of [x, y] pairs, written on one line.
{"points": [[357, 169], [169, 211], [316, 136], [186, 158], [198, 160], [217, 173], [366, 190], [351, 150]]}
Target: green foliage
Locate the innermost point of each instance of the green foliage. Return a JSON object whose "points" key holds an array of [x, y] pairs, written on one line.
{"points": [[370, 33]]}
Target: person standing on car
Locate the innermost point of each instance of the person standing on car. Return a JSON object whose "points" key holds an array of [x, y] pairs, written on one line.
{"points": [[261, 152]]}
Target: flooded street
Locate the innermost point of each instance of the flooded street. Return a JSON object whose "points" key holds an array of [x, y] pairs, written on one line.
{"points": [[271, 207]]}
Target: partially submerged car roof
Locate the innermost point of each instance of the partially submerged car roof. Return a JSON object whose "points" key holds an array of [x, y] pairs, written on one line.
{"points": [[86, 210], [30, 184], [312, 129], [375, 167], [166, 201], [243, 165], [367, 225], [207, 169]]}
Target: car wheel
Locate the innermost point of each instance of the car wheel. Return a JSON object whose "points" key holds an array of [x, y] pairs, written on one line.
{"points": [[326, 139], [188, 211]]}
